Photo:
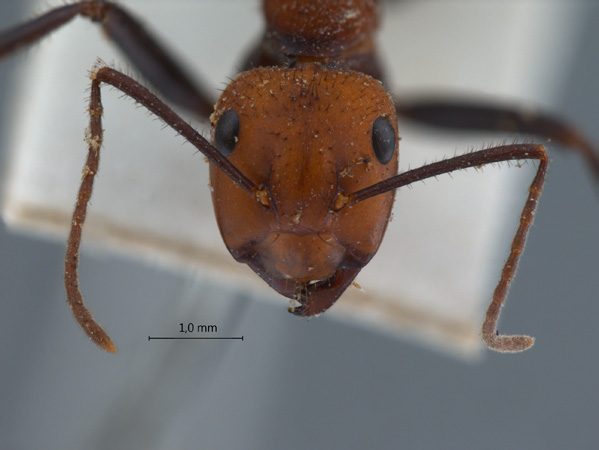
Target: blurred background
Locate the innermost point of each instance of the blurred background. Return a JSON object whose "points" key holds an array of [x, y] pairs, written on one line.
{"points": [[300, 384]]}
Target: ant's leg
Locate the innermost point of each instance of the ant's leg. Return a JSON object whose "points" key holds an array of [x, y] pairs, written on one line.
{"points": [[143, 50], [473, 116], [494, 341], [94, 137]]}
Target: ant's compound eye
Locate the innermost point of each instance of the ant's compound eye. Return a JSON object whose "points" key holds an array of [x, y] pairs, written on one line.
{"points": [[226, 132], [383, 140]]}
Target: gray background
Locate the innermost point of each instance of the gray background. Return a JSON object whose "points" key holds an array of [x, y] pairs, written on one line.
{"points": [[298, 384]]}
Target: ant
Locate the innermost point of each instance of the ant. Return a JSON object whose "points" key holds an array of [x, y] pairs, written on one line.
{"points": [[309, 104]]}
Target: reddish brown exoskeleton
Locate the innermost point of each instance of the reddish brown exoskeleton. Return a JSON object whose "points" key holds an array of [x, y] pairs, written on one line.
{"points": [[310, 107]]}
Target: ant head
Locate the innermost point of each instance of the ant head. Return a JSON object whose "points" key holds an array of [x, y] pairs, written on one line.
{"points": [[309, 138]]}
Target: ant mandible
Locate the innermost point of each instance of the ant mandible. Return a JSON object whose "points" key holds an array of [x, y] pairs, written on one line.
{"points": [[309, 104]]}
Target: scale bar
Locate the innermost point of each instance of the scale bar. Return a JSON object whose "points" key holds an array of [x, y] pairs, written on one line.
{"points": [[150, 338]]}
